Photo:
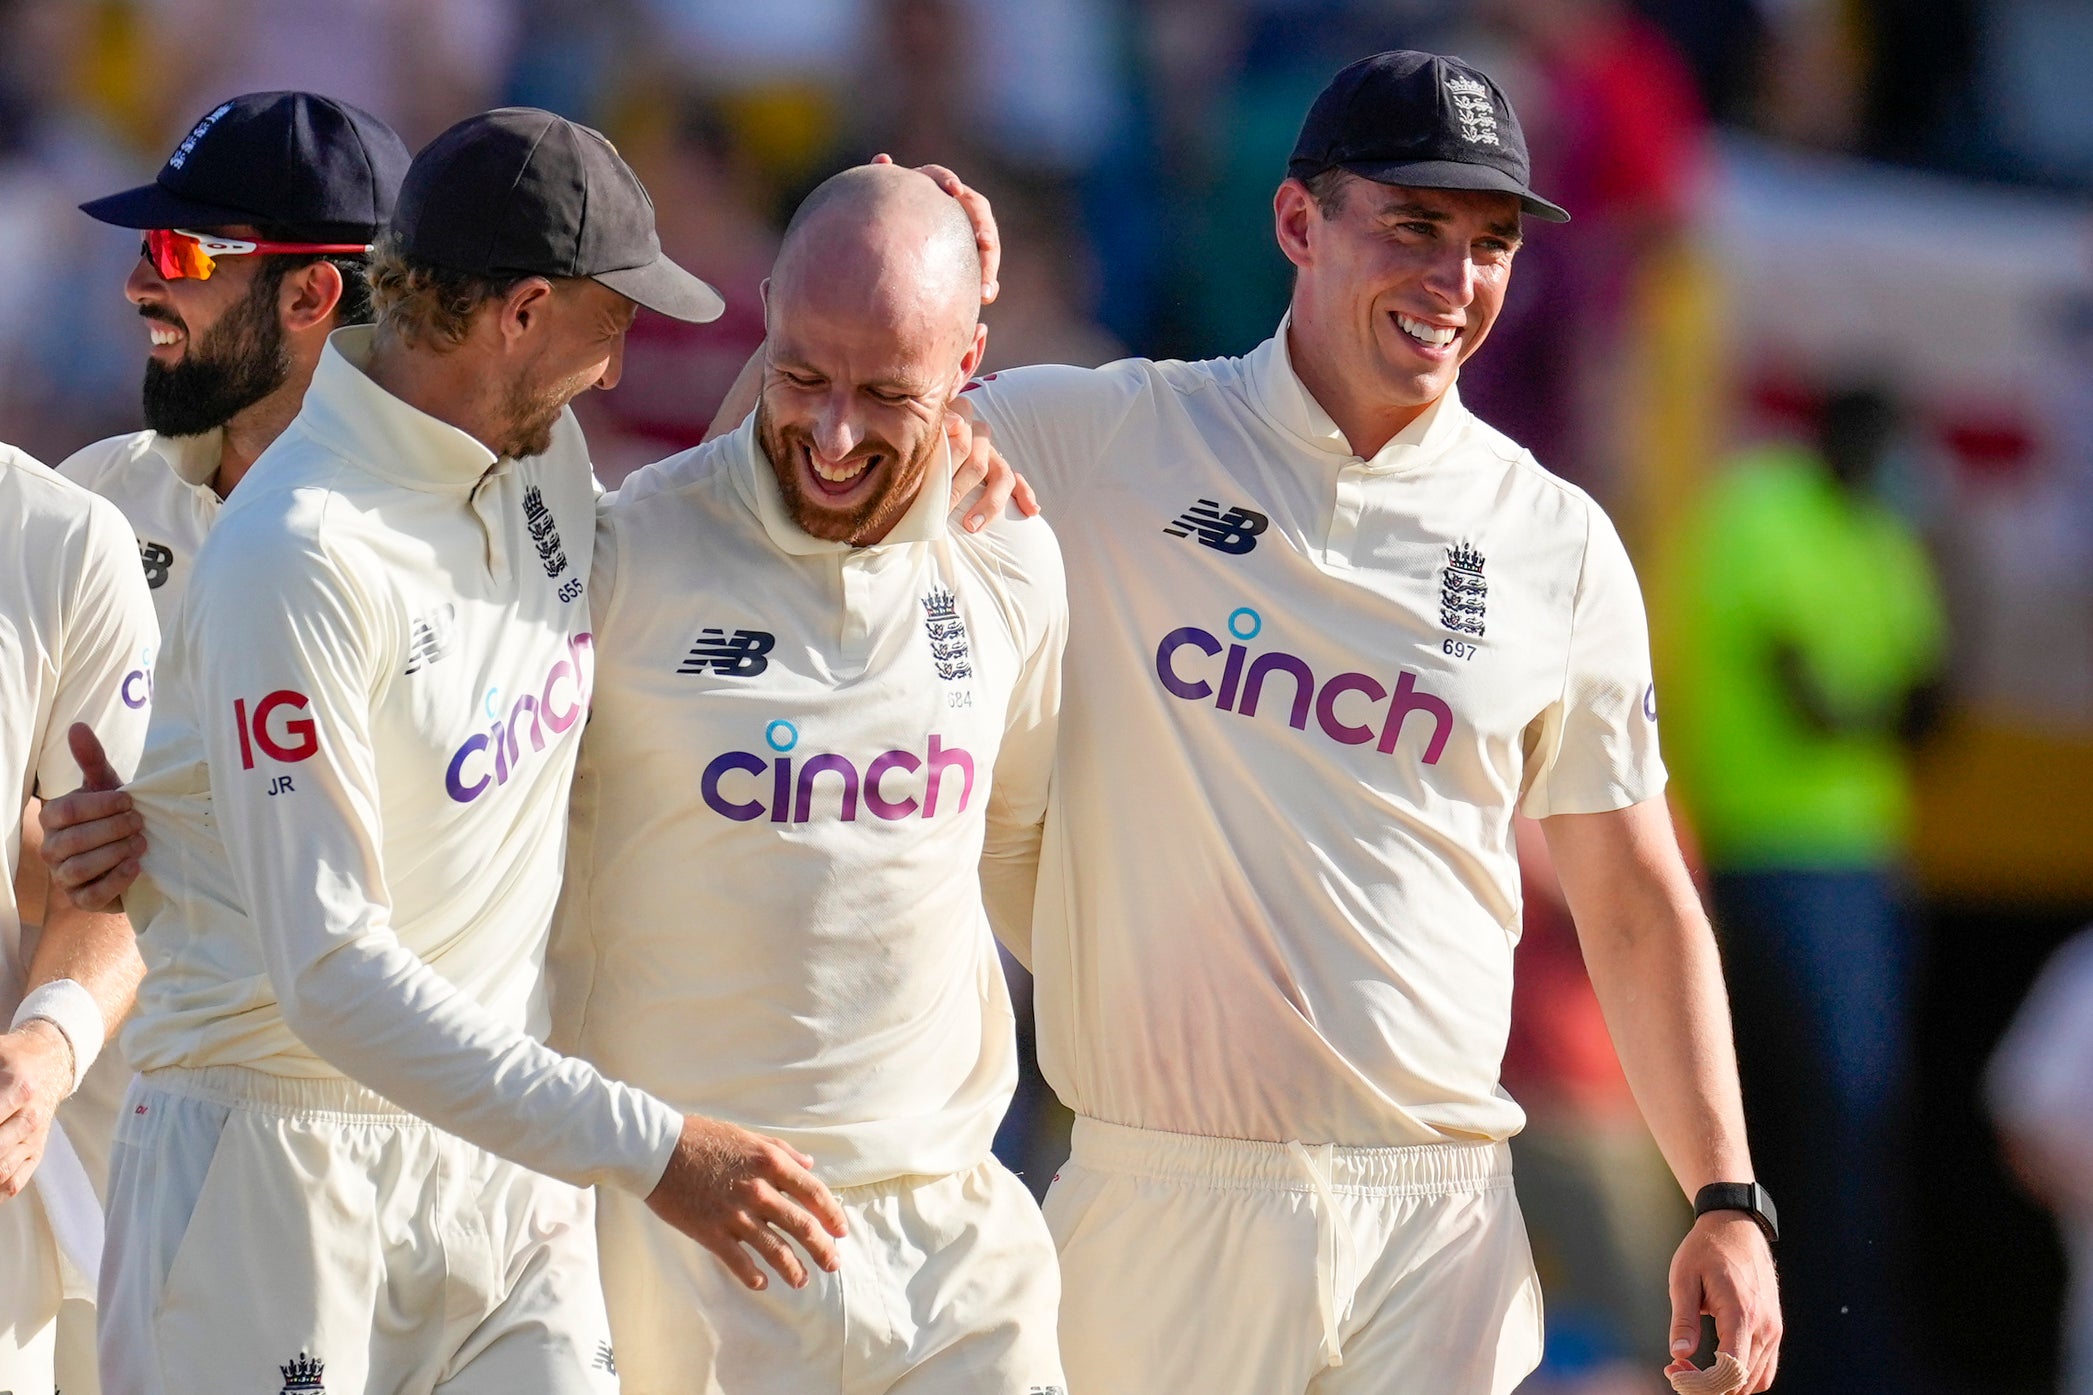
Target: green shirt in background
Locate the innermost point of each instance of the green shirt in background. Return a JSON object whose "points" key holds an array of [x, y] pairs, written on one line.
{"points": [[1780, 554]]}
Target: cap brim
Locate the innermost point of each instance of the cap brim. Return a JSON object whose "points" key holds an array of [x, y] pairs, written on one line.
{"points": [[151, 206], [1458, 174], [666, 288]]}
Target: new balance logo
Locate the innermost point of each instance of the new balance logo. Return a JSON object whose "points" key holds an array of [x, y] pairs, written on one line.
{"points": [[606, 1359], [433, 637], [159, 563], [1234, 532], [739, 655]]}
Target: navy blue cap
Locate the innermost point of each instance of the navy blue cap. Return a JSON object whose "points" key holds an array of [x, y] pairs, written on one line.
{"points": [[291, 162], [1423, 120], [523, 192]]}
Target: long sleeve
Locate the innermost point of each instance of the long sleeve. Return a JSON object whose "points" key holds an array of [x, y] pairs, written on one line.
{"points": [[288, 652]]}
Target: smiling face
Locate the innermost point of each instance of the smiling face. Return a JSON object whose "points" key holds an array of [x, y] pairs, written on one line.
{"points": [[852, 416], [576, 341], [873, 319], [216, 346], [1397, 286]]}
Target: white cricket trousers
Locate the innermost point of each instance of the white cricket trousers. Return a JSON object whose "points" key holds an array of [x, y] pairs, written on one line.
{"points": [[270, 1233], [30, 1289], [1230, 1267], [947, 1287]]}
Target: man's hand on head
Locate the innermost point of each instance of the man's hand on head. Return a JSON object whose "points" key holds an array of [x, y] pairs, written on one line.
{"points": [[734, 1191], [94, 838], [987, 240], [977, 462], [36, 1072]]}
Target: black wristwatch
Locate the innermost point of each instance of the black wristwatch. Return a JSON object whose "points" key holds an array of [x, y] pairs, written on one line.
{"points": [[1748, 1197]]}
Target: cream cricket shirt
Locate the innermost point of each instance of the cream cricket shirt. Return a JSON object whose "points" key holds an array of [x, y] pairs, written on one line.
{"points": [[356, 784], [1305, 694], [76, 645], [799, 755], [163, 486]]}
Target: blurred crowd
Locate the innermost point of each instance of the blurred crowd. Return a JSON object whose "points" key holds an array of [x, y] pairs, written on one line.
{"points": [[1833, 378]]}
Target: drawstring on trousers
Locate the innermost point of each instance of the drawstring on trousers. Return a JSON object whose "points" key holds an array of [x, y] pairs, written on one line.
{"points": [[1333, 1245]]}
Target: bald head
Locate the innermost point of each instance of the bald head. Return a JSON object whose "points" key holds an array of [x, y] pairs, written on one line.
{"points": [[883, 242], [874, 318]]}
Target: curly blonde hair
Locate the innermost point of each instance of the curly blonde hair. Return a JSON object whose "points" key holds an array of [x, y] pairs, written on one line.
{"points": [[428, 304]]}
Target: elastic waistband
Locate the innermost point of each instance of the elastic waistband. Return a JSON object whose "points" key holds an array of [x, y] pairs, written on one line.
{"points": [[1430, 1169], [239, 1087]]}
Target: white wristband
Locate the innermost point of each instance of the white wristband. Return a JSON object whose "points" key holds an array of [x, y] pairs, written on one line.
{"points": [[72, 1010]]}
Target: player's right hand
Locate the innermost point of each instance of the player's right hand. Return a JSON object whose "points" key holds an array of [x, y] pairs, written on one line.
{"points": [[734, 1191], [93, 837]]}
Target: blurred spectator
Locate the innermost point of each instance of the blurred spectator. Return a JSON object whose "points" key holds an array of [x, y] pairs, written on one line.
{"points": [[711, 217], [70, 345], [2041, 1095], [1805, 638], [1617, 139], [419, 64], [1048, 284]]}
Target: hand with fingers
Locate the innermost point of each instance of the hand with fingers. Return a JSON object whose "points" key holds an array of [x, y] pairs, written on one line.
{"points": [[987, 240], [36, 1072], [976, 463], [734, 1191], [94, 839], [1724, 1268]]}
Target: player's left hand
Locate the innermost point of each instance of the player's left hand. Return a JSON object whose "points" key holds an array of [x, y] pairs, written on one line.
{"points": [[987, 241], [977, 462], [1724, 1268], [36, 1070]]}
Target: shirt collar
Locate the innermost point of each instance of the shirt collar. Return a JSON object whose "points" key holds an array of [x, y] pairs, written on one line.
{"points": [[1282, 396], [194, 459], [382, 434], [925, 520]]}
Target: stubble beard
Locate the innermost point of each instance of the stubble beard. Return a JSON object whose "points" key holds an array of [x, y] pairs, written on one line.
{"points": [[869, 520]]}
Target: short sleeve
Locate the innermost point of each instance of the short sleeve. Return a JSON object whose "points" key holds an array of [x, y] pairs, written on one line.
{"points": [[1054, 424], [1597, 748]]}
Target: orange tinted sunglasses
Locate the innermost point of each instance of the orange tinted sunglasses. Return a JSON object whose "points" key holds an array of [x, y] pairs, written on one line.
{"points": [[177, 253]]}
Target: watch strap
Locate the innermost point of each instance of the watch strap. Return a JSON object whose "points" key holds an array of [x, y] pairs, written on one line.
{"points": [[1749, 1197]]}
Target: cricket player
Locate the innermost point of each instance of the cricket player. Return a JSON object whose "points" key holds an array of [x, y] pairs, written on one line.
{"points": [[329, 1169], [823, 724], [1328, 633], [253, 250], [77, 640]]}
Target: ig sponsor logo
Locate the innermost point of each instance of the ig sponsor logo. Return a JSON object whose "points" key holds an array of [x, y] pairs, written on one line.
{"points": [[1346, 706]]}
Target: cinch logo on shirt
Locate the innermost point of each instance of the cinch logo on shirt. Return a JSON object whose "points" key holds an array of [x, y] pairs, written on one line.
{"points": [[739, 655], [290, 739], [137, 692], [1242, 682], [792, 783], [558, 703], [1234, 532]]}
